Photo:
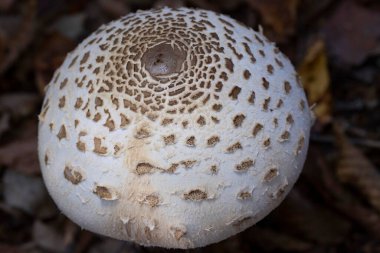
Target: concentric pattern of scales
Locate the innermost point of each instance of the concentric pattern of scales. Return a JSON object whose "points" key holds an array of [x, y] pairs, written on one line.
{"points": [[200, 123]]}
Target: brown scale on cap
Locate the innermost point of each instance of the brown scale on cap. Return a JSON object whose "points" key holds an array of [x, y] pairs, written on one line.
{"points": [[169, 140], [217, 107], [275, 122], [302, 105], [195, 195], [62, 102], [289, 119], [178, 232], [172, 168], [256, 129], [235, 93], [266, 143], [246, 74], [265, 83], [244, 195], [244, 165], [188, 163], [270, 174], [238, 120], [287, 87], [73, 175], [212, 141], [144, 168], [98, 148], [280, 191], [46, 159], [285, 136], [190, 141], [152, 200], [105, 193], [78, 103], [241, 221], [234, 147], [63, 83], [62, 133], [214, 169], [300, 144], [266, 103], [252, 97]]}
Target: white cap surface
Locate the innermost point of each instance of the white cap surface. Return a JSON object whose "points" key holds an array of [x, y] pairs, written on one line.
{"points": [[173, 128]]}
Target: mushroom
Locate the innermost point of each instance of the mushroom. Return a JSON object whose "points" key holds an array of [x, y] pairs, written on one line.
{"points": [[172, 128]]}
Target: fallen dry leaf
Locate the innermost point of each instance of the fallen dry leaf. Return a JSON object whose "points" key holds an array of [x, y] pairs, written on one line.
{"points": [[231, 245], [21, 153], [226, 5], [19, 105], [4, 123], [16, 33], [323, 226], [356, 170], [273, 240], [106, 246], [70, 26], [309, 10], [280, 16], [343, 201], [352, 33], [7, 248], [114, 8], [316, 80], [207, 5], [5, 5], [49, 57], [24, 192], [48, 237], [170, 3], [84, 240]]}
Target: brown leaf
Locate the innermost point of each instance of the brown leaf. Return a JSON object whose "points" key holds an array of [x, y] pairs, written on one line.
{"points": [[19, 105], [207, 5], [5, 5], [338, 197], [309, 220], [316, 80], [169, 3], [7, 248], [16, 33], [222, 5], [107, 245], [352, 33], [48, 237], [309, 10], [4, 123], [279, 16], [114, 8], [49, 57], [231, 245], [27, 193], [272, 240], [84, 240], [356, 170], [21, 154]]}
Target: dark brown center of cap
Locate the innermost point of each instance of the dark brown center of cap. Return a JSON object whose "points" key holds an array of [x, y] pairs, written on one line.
{"points": [[163, 59]]}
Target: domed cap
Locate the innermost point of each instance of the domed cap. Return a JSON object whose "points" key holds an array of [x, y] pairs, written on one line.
{"points": [[173, 128]]}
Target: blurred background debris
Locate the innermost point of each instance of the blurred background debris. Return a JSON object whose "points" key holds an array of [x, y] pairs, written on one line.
{"points": [[335, 205]]}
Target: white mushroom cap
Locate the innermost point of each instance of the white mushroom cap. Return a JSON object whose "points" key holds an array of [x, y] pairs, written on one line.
{"points": [[173, 128]]}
